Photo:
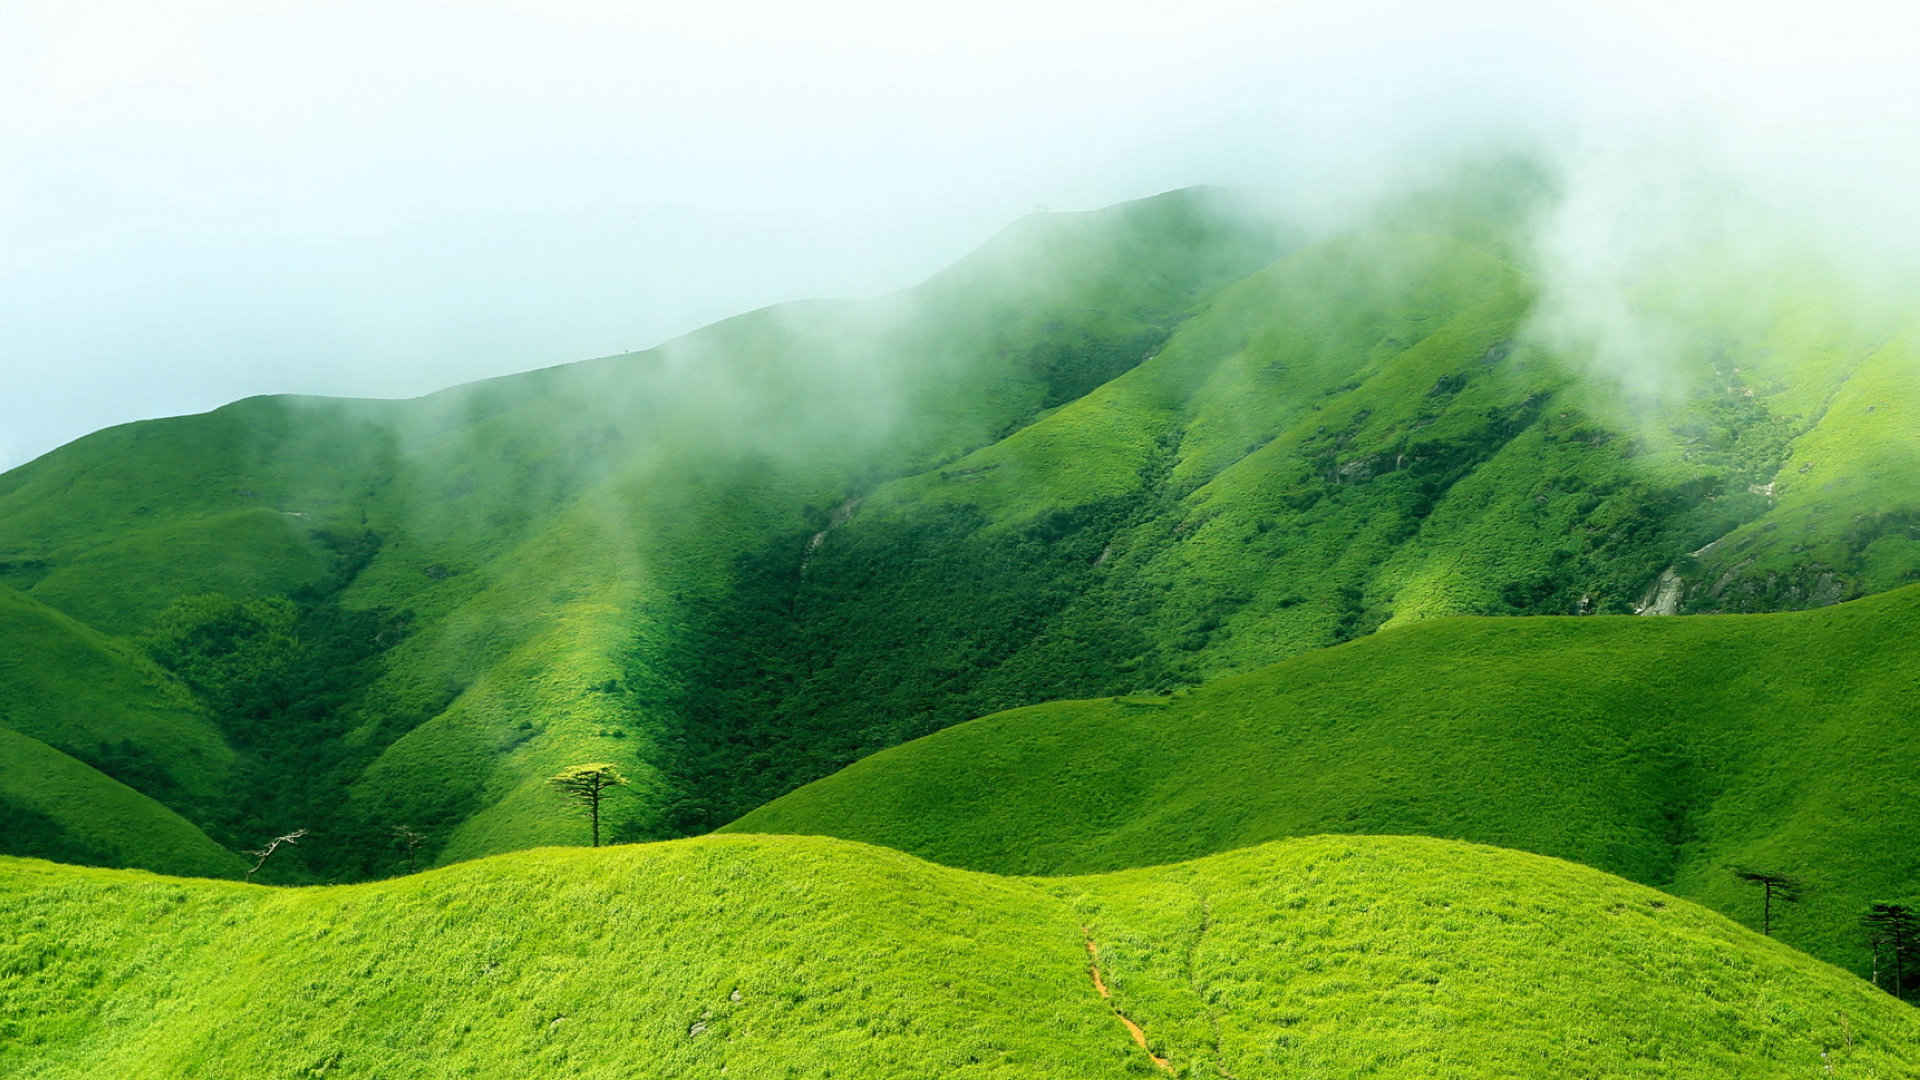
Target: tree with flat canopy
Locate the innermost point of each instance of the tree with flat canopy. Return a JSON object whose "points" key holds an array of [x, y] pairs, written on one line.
{"points": [[1775, 884], [586, 785]]}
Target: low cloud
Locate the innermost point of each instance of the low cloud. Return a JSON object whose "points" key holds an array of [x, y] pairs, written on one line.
{"points": [[380, 200]]}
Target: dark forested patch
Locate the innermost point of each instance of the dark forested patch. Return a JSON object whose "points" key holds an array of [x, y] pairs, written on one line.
{"points": [[279, 675], [877, 635]]}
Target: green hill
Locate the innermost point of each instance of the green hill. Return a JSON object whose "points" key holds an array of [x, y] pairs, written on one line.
{"points": [[54, 806], [783, 956], [106, 703], [1365, 433], [87, 724], [1663, 750], [1130, 450]]}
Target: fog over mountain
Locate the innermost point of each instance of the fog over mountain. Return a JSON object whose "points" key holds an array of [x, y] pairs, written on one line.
{"points": [[221, 199]]}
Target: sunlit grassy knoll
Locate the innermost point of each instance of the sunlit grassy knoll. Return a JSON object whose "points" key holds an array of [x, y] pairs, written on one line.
{"points": [[792, 957], [759, 958], [1368, 956]]}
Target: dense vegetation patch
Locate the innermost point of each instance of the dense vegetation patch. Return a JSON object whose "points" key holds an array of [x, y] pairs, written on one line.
{"points": [[280, 677], [802, 665]]}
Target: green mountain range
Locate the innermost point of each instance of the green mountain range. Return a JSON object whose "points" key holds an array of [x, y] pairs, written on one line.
{"points": [[1231, 533]]}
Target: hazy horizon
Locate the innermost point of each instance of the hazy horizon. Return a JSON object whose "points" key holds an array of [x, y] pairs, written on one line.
{"points": [[222, 199]]}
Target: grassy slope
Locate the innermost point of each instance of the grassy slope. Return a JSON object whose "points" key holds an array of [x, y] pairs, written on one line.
{"points": [[98, 699], [1658, 749], [52, 805], [1848, 499], [1359, 435], [784, 956], [82, 716]]}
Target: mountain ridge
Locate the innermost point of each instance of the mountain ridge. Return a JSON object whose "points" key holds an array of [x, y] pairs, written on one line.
{"points": [[1129, 450]]}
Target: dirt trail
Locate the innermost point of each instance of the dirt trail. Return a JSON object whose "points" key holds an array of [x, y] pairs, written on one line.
{"points": [[1099, 984]]}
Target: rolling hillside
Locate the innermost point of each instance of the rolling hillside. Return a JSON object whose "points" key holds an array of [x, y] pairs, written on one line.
{"points": [[1125, 451], [784, 956], [1663, 750]]}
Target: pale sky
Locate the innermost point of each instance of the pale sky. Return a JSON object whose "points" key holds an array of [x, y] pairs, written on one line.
{"points": [[204, 200]]}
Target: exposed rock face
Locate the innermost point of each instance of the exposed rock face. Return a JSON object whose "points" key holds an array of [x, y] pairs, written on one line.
{"points": [[1663, 596], [1357, 471], [841, 514]]}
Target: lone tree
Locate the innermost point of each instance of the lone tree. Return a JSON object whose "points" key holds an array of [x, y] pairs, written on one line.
{"points": [[273, 845], [1896, 929], [587, 785], [407, 837], [1786, 888]]}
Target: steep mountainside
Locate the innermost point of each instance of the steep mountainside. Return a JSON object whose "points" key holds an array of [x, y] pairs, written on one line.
{"points": [[107, 703], [1663, 750], [411, 612], [792, 956], [1112, 452], [1360, 435]]}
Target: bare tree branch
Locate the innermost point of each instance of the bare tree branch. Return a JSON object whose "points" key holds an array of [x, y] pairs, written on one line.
{"points": [[272, 846]]}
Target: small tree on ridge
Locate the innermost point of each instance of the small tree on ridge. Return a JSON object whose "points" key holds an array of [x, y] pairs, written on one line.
{"points": [[587, 785]]}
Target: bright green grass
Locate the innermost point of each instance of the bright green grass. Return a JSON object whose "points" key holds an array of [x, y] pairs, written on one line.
{"points": [[1659, 749], [804, 957]]}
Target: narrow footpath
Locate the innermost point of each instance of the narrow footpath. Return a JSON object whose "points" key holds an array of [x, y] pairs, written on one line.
{"points": [[1100, 985]]}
